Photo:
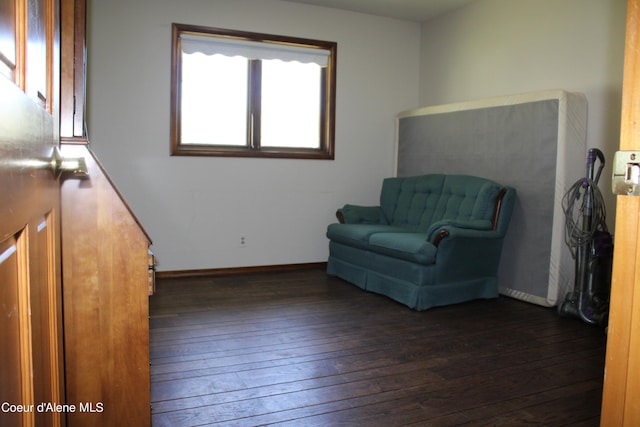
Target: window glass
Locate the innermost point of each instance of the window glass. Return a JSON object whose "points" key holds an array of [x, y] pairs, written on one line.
{"points": [[214, 100], [247, 94], [290, 104]]}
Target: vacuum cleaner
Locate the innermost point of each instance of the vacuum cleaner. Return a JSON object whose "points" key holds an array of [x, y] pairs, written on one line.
{"points": [[591, 245]]}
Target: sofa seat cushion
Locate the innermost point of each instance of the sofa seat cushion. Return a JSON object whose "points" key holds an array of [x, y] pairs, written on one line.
{"points": [[358, 235], [409, 246]]}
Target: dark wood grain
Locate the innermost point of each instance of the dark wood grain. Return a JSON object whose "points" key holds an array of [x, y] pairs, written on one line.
{"points": [[305, 349]]}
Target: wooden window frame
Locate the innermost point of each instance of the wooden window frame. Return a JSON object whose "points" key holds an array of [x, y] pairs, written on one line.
{"points": [[253, 148]]}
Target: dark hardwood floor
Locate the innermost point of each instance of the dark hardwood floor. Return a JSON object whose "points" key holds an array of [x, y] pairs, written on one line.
{"points": [[304, 349]]}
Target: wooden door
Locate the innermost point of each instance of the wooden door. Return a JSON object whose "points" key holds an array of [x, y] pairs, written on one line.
{"points": [[30, 293], [621, 398]]}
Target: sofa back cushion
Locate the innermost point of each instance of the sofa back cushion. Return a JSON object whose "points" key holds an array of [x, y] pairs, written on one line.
{"points": [[467, 198], [412, 201], [417, 202]]}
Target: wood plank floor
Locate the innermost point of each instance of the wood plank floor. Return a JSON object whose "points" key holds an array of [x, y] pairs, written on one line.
{"points": [[304, 349]]}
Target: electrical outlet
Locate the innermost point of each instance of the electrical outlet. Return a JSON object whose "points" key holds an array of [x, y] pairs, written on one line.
{"points": [[243, 241]]}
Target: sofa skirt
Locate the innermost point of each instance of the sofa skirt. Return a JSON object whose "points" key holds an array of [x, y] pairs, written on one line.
{"points": [[411, 284]]}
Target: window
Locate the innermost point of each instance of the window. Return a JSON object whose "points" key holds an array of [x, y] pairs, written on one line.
{"points": [[253, 95]]}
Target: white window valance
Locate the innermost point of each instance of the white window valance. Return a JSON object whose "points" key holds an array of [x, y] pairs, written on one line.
{"points": [[211, 45]]}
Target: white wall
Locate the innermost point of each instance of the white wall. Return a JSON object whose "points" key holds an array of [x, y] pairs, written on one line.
{"points": [[196, 208], [498, 47]]}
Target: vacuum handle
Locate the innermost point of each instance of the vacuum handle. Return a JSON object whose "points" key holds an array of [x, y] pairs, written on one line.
{"points": [[591, 160]]}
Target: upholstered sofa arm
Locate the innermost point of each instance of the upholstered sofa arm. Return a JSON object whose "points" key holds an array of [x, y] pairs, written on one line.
{"points": [[436, 230], [466, 254], [355, 214]]}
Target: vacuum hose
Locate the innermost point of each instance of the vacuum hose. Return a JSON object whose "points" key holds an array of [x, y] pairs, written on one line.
{"points": [[583, 217], [585, 214]]}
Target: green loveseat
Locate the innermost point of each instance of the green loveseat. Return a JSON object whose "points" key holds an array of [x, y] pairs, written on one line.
{"points": [[434, 240]]}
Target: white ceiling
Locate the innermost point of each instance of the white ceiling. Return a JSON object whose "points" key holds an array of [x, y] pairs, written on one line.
{"points": [[413, 10]]}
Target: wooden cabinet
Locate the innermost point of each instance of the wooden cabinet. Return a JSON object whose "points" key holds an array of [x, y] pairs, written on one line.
{"points": [[105, 273], [105, 268]]}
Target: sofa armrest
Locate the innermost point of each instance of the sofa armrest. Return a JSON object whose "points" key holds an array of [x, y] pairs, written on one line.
{"points": [[439, 228], [355, 214], [467, 254]]}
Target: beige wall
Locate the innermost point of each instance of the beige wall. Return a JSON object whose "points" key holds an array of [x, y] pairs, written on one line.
{"points": [[499, 47], [196, 209]]}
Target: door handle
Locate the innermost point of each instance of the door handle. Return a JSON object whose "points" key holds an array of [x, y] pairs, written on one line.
{"points": [[75, 166]]}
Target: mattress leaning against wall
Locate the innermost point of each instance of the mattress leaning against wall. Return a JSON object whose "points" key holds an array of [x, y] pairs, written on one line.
{"points": [[535, 142]]}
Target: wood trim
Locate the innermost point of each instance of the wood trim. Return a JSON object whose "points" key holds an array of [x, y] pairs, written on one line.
{"points": [[441, 235], [53, 50], [67, 65], [79, 55], [20, 77], [72, 140], [72, 78], [621, 388], [498, 207], [239, 270], [54, 307], [253, 148], [24, 319]]}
